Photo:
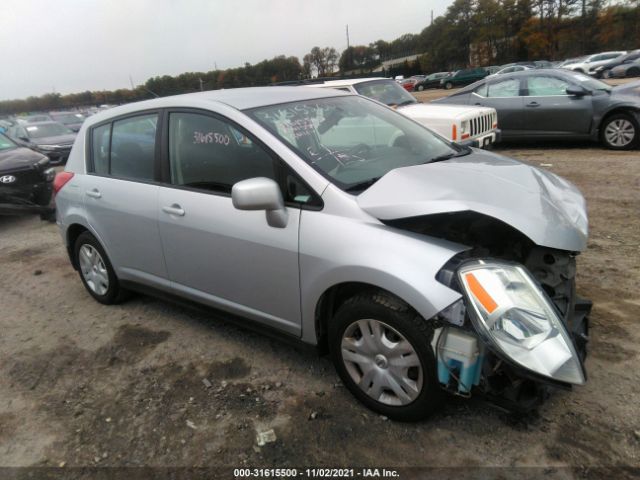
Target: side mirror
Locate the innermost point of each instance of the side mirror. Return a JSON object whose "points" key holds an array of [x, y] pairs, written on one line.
{"points": [[261, 193], [576, 90], [24, 139]]}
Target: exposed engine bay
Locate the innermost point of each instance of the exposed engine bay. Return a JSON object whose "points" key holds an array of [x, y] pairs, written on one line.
{"points": [[464, 362]]}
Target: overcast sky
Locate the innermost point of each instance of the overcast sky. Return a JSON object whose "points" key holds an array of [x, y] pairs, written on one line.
{"points": [[76, 45]]}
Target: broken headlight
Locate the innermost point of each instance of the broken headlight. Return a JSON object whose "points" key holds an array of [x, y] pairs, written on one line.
{"points": [[517, 318]]}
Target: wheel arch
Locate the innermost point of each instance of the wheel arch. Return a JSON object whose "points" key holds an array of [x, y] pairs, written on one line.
{"points": [[72, 232], [628, 109], [426, 299]]}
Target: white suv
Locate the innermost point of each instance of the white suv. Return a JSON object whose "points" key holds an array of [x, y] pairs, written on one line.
{"points": [[472, 125]]}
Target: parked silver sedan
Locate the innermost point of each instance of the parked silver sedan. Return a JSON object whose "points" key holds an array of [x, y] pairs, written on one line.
{"points": [[421, 266]]}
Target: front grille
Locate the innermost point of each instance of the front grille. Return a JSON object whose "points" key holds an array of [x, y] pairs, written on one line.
{"points": [[24, 176], [481, 125]]}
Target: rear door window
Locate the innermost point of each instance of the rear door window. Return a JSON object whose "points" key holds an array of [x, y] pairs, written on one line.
{"points": [[126, 148], [100, 148], [545, 86], [133, 145]]}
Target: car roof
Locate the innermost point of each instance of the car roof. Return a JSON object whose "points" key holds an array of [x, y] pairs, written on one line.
{"points": [[239, 98], [348, 82]]}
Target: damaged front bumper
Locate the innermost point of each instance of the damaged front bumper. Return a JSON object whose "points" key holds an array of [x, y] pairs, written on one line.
{"points": [[31, 193], [505, 337]]}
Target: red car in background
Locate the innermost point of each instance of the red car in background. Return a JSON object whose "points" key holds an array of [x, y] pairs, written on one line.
{"points": [[408, 83]]}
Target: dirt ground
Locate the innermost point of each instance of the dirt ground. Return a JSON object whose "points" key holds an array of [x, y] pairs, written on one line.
{"points": [[151, 383]]}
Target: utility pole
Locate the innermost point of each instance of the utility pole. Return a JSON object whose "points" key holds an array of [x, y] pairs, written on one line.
{"points": [[431, 17], [200, 84], [131, 82], [347, 35]]}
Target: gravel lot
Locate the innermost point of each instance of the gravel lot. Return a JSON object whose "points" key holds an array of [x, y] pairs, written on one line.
{"points": [[84, 384]]}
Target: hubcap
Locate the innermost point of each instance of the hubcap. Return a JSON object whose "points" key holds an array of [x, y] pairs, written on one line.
{"points": [[382, 362], [93, 269], [620, 132]]}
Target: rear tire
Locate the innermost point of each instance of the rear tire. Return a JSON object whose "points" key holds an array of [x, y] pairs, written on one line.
{"points": [[382, 351], [96, 272], [420, 88], [620, 131]]}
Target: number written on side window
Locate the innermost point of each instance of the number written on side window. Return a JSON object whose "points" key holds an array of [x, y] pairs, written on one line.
{"points": [[208, 153]]}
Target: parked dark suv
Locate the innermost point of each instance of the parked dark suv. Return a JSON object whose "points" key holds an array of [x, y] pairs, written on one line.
{"points": [[463, 77]]}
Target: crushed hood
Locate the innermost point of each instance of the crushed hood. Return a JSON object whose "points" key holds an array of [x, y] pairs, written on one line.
{"points": [[544, 207]]}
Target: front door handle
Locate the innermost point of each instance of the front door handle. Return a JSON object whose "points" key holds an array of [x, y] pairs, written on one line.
{"points": [[94, 193], [478, 103], [533, 104], [174, 209]]}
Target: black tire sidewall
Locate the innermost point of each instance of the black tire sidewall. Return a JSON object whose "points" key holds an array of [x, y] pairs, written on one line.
{"points": [[627, 116], [113, 292], [415, 329]]}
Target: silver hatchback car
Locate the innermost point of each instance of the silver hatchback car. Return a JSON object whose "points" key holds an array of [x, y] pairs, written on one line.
{"points": [[422, 267]]}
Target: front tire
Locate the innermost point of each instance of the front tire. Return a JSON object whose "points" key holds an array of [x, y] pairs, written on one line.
{"points": [[620, 132], [382, 351], [448, 86], [96, 272]]}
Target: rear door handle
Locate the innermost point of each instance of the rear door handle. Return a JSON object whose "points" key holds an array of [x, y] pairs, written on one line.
{"points": [[533, 104], [174, 209], [94, 193], [478, 103]]}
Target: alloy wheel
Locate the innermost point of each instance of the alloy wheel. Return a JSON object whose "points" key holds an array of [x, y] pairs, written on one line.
{"points": [[382, 362], [619, 132], [94, 270]]}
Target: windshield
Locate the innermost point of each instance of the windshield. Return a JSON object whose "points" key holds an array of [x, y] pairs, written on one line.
{"points": [[68, 118], [388, 92], [351, 140], [47, 130], [5, 143]]}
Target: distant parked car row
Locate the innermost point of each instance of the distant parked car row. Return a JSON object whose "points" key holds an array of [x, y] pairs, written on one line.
{"points": [[615, 64]]}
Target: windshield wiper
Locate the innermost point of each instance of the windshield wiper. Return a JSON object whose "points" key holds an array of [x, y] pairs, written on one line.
{"points": [[447, 156], [361, 186], [401, 104]]}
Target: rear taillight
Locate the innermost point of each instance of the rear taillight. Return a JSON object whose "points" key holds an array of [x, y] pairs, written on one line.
{"points": [[454, 132], [61, 180]]}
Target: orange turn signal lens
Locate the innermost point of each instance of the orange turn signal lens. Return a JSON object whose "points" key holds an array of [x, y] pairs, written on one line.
{"points": [[480, 293]]}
